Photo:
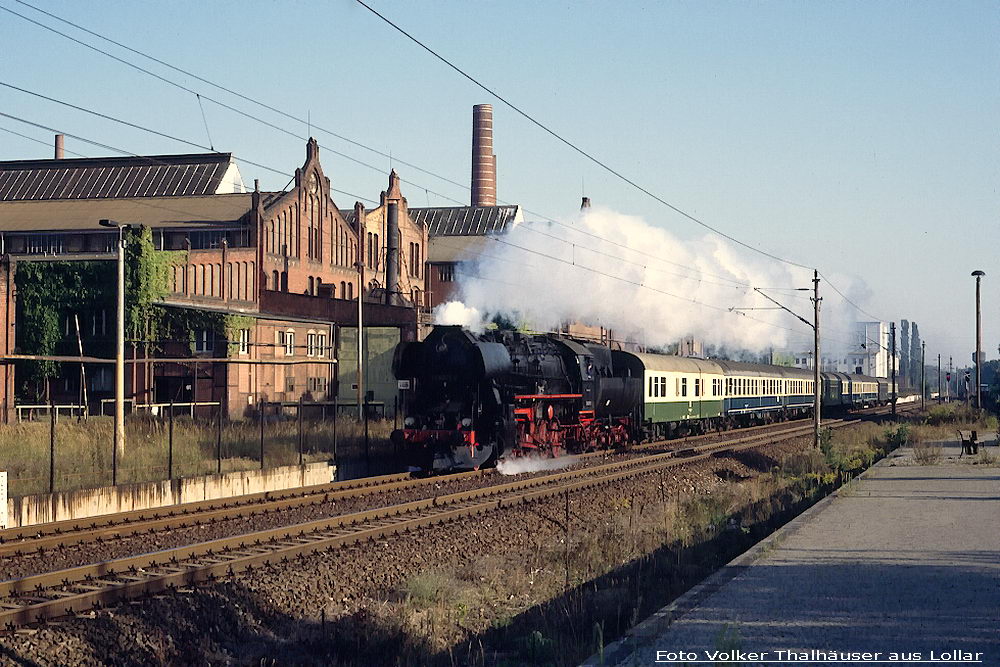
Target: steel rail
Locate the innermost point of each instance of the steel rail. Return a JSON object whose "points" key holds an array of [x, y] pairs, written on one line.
{"points": [[30, 539], [55, 594], [75, 531]]}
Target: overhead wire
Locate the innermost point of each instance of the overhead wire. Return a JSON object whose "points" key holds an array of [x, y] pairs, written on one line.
{"points": [[572, 145], [280, 112], [360, 144]]}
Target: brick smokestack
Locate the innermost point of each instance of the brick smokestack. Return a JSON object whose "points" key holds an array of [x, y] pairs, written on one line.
{"points": [[60, 152], [484, 162]]}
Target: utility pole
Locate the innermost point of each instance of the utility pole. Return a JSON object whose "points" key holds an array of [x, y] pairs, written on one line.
{"points": [[939, 378], [948, 385], [892, 359], [816, 364], [979, 341], [923, 385], [119, 444], [816, 358], [361, 328]]}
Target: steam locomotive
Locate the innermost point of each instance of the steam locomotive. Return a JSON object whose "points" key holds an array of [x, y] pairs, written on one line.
{"points": [[478, 398]]}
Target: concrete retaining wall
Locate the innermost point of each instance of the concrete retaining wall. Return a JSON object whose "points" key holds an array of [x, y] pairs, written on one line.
{"points": [[31, 510]]}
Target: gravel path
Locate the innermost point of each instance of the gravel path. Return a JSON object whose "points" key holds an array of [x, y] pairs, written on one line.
{"points": [[906, 559]]}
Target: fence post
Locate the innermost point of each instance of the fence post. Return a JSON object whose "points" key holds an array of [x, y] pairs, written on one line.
{"points": [[52, 448], [170, 441], [368, 461], [218, 442], [336, 460], [299, 418], [260, 412]]}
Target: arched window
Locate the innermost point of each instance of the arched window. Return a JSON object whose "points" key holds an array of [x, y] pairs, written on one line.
{"points": [[284, 281], [350, 291], [236, 289], [311, 289], [343, 289], [276, 281], [250, 277], [378, 251]]}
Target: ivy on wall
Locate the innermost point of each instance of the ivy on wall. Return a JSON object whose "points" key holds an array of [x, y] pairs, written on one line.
{"points": [[50, 292]]}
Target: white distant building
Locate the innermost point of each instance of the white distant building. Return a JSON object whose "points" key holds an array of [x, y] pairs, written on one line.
{"points": [[868, 355]]}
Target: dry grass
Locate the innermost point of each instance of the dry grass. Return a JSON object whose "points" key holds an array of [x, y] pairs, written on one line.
{"points": [[926, 453], [441, 609], [83, 449]]}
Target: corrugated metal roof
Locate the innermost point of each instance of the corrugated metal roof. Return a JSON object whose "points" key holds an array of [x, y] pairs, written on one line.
{"points": [[105, 178], [80, 214], [465, 220]]}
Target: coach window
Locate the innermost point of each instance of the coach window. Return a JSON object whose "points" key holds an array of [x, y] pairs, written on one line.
{"points": [[684, 386], [663, 386], [650, 394], [697, 386]]}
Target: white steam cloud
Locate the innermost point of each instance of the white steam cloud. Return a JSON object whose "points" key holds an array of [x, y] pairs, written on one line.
{"points": [[541, 275], [456, 312], [523, 464]]}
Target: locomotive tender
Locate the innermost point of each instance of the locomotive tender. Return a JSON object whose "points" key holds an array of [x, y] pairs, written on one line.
{"points": [[477, 398]]}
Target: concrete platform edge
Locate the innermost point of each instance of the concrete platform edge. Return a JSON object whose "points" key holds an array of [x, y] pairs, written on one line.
{"points": [[652, 627]]}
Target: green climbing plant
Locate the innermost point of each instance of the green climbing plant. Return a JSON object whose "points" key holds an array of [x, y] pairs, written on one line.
{"points": [[48, 293]]}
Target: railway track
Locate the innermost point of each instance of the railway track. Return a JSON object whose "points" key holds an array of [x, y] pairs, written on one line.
{"points": [[62, 593], [62, 534]]}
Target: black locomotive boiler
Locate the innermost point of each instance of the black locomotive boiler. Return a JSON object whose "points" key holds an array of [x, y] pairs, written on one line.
{"points": [[476, 398]]}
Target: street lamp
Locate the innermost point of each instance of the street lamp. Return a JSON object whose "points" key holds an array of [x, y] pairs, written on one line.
{"points": [[979, 340], [119, 448]]}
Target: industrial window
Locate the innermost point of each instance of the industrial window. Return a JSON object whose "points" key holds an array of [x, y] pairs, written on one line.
{"points": [[99, 323], [205, 240], [244, 341], [316, 384], [49, 244], [446, 273], [684, 386], [203, 341]]}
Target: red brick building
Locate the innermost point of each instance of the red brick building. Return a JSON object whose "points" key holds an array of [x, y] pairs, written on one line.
{"points": [[283, 265]]}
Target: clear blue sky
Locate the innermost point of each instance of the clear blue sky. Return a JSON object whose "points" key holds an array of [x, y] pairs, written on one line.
{"points": [[858, 137]]}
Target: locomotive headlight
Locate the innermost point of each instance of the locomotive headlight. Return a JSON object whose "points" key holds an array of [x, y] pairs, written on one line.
{"points": [[409, 421], [466, 422]]}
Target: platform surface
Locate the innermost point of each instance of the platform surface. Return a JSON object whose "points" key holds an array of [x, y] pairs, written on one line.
{"points": [[904, 560]]}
